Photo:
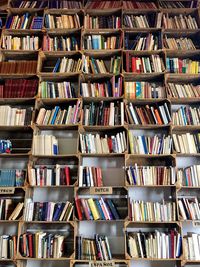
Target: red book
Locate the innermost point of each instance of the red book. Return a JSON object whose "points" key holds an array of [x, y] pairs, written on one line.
{"points": [[67, 175], [180, 65], [30, 245], [110, 144], [84, 205], [78, 208], [133, 64], [99, 177]]}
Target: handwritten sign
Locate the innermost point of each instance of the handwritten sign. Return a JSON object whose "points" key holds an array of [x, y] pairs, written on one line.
{"points": [[101, 190], [7, 190]]}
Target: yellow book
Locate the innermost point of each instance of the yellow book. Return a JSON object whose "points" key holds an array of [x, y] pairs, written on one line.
{"points": [[93, 209], [131, 141]]}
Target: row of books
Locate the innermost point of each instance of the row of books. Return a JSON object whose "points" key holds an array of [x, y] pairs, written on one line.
{"points": [[67, 65], [148, 114], [9, 209], [24, 21], [179, 22], [103, 113], [97, 42], [177, 65], [59, 116], [18, 67], [57, 90], [42, 245], [191, 246], [27, 42], [178, 4], [189, 176], [136, 21], [188, 90], [62, 21], [149, 64], [96, 66], [11, 177], [150, 175], [96, 209], [189, 208], [186, 116], [183, 43], [187, 143], [112, 88], [137, 90], [154, 245], [90, 176], [45, 145], [47, 211], [94, 143], [149, 144], [102, 22], [60, 43], [57, 175], [8, 245], [139, 5], [143, 42], [141, 211], [15, 116], [19, 88], [97, 248], [66, 43]]}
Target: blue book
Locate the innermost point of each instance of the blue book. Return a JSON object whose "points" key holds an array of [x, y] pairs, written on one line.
{"points": [[99, 209], [55, 115], [8, 22], [133, 175], [55, 69], [138, 90], [95, 42], [144, 144], [113, 209], [57, 212]]}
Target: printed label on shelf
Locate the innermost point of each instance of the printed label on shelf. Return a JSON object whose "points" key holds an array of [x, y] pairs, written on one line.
{"points": [[7, 190], [101, 264], [196, 223], [101, 190]]}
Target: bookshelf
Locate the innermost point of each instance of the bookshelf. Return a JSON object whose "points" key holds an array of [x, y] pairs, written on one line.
{"points": [[88, 72]]}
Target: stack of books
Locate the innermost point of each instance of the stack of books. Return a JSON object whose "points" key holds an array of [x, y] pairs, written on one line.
{"points": [[186, 116], [189, 208], [177, 65], [18, 67], [45, 145], [189, 176], [191, 246], [102, 22], [97, 42], [60, 43], [25, 21], [28, 42], [186, 143], [182, 43], [179, 22], [90, 176], [62, 21], [177, 90], [8, 245]]}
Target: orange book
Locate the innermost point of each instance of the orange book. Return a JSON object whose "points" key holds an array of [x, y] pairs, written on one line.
{"points": [[158, 116]]}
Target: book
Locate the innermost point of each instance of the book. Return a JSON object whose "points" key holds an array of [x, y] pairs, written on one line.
{"points": [[179, 21], [66, 4], [155, 244], [150, 145], [191, 246], [139, 20], [51, 175], [187, 143], [32, 245], [59, 116], [158, 114], [188, 208], [182, 43], [97, 209], [24, 21], [186, 90], [103, 113], [97, 248], [18, 67], [150, 175], [45, 145], [142, 41], [189, 176], [142, 211], [8, 246], [62, 21], [15, 116], [28, 42], [178, 65], [97, 42], [90, 176], [143, 89], [47, 211], [66, 89], [60, 43], [102, 21], [103, 143], [147, 64], [62, 65], [110, 88], [12, 177], [18, 88], [186, 115]]}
